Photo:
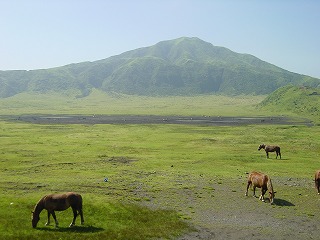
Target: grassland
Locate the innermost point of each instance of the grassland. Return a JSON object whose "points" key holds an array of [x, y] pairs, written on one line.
{"points": [[163, 180], [300, 100], [101, 103]]}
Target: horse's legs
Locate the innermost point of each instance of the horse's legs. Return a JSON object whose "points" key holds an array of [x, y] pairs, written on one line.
{"points": [[55, 218], [48, 222], [81, 215], [254, 191], [267, 153], [75, 213], [248, 185], [263, 191], [280, 154], [317, 185]]}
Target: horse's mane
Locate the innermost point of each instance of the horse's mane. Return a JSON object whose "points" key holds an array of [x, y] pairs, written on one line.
{"points": [[269, 185], [39, 206]]}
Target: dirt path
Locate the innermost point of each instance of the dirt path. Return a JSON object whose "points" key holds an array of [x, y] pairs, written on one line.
{"points": [[218, 209], [231, 215], [145, 119]]}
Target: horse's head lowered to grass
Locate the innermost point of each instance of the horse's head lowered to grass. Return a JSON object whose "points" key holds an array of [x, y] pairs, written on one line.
{"points": [[58, 202]]}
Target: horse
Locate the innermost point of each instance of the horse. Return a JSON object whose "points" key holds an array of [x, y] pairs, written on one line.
{"points": [[263, 181], [317, 181], [58, 202], [270, 148]]}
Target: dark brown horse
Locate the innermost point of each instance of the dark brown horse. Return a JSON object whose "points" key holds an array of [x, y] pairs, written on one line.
{"points": [[58, 202], [260, 180], [270, 148], [317, 181]]}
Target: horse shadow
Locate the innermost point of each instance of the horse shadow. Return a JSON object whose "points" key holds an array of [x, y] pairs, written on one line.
{"points": [[282, 202], [78, 229]]}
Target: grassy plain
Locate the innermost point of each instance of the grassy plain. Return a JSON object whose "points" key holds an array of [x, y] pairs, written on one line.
{"points": [[101, 103], [160, 177]]}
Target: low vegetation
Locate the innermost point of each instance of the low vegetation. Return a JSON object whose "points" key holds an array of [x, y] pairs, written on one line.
{"points": [[152, 181], [303, 101], [99, 102]]}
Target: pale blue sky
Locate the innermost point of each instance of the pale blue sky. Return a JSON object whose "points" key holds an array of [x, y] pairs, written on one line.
{"points": [[49, 33]]}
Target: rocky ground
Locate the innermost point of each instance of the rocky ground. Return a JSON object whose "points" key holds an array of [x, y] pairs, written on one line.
{"points": [[219, 209]]}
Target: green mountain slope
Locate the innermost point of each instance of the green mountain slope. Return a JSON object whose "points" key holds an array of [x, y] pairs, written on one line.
{"points": [[302, 101], [182, 66]]}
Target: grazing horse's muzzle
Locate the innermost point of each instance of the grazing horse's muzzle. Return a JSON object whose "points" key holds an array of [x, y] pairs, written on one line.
{"points": [[271, 196], [34, 223]]}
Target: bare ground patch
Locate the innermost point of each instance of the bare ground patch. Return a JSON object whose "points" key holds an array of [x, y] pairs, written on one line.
{"points": [[152, 119], [218, 209]]}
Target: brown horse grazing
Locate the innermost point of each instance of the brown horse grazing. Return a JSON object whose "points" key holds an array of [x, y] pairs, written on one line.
{"points": [[269, 148], [58, 202], [260, 180], [317, 181]]}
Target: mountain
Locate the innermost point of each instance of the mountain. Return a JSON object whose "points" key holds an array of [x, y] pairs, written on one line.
{"points": [[303, 101], [182, 66]]}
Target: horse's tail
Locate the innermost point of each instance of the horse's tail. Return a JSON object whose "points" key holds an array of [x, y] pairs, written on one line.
{"points": [[80, 202], [75, 200]]}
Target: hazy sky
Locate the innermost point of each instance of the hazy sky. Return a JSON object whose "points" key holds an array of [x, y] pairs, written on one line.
{"points": [[38, 34]]}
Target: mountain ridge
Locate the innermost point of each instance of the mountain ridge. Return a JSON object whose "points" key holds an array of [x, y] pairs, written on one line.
{"points": [[303, 101], [183, 66]]}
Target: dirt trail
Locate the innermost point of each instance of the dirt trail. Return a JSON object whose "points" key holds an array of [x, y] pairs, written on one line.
{"points": [[234, 216], [219, 209], [151, 119]]}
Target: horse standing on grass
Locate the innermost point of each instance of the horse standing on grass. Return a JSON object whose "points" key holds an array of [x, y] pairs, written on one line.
{"points": [[317, 181], [261, 180], [58, 202], [269, 148]]}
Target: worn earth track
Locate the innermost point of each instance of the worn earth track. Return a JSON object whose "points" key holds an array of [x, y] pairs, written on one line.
{"points": [[218, 208], [151, 119]]}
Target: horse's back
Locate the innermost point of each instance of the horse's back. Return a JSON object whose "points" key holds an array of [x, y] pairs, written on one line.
{"points": [[254, 174], [258, 179], [272, 148], [60, 202], [73, 194]]}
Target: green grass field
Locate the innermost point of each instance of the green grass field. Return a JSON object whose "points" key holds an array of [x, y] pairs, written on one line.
{"points": [[101, 103], [144, 164]]}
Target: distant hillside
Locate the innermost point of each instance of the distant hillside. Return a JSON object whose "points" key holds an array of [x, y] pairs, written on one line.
{"points": [[303, 101], [183, 66]]}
